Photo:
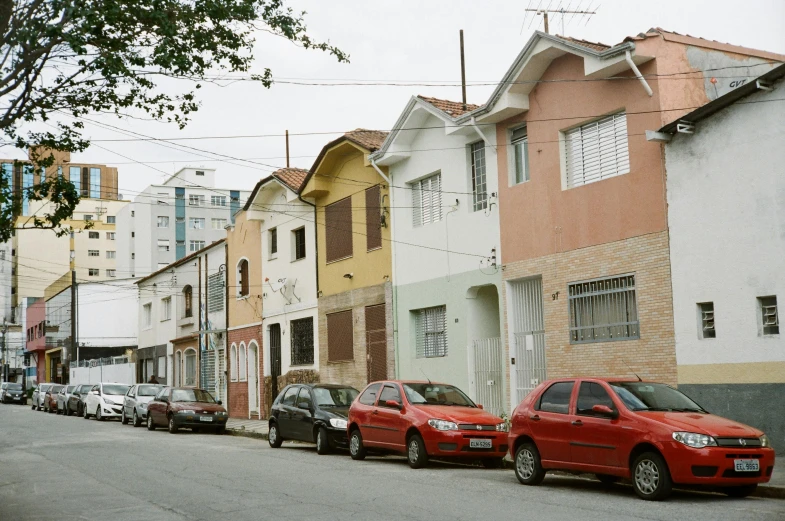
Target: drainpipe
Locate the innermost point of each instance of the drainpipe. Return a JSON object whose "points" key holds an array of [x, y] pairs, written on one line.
{"points": [[473, 122], [394, 266], [628, 57]]}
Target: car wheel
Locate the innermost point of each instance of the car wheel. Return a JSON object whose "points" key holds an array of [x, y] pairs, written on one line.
{"points": [[220, 430], [322, 442], [356, 448], [274, 436], [607, 479], [172, 426], [136, 420], [651, 478], [85, 415], [742, 491], [416, 453], [528, 468], [32, 407], [492, 463], [98, 414], [150, 424], [123, 419]]}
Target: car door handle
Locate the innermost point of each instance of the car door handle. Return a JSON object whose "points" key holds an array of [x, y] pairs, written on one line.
{"points": [[375, 411], [577, 423], [536, 417]]}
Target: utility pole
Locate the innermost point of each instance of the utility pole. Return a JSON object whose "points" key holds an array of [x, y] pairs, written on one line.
{"points": [[66, 360], [287, 149], [5, 350], [562, 12], [463, 73]]}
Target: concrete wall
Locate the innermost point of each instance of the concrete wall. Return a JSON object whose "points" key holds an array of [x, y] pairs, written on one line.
{"points": [[118, 373], [108, 314]]}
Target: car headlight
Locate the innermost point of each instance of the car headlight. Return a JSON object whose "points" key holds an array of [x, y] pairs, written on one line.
{"points": [[187, 411], [503, 427], [338, 423], [694, 440], [143, 406], [764, 441], [107, 401], [443, 425]]}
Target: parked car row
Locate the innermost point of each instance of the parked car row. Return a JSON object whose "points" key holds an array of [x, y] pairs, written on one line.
{"points": [[151, 404], [648, 433]]}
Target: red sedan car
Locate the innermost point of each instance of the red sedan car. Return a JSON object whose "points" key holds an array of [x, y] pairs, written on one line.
{"points": [[647, 432], [424, 419]]}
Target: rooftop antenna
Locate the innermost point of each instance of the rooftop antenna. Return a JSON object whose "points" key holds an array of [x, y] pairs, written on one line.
{"points": [[463, 73], [561, 11], [630, 368]]}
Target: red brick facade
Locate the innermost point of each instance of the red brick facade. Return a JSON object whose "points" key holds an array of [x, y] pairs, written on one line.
{"points": [[238, 381]]}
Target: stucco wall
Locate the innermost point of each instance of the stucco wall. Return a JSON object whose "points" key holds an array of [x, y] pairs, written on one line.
{"points": [[726, 212], [244, 240]]}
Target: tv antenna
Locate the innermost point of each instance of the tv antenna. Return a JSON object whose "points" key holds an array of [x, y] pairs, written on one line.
{"points": [[538, 11]]}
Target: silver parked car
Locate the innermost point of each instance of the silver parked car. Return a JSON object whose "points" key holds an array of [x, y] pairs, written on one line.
{"points": [[135, 403], [62, 399], [38, 396]]}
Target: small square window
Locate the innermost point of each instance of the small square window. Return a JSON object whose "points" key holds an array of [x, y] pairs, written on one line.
{"points": [[273, 236], [706, 320], [88, 217], [200, 172], [93, 253], [298, 243], [769, 316], [92, 272], [110, 219], [94, 235], [111, 273], [110, 236]]}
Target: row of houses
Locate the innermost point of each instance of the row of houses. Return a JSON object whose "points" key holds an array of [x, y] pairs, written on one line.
{"points": [[609, 210]]}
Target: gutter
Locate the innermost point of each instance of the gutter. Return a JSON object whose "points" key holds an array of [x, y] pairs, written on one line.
{"points": [[379, 171], [628, 58], [473, 122]]}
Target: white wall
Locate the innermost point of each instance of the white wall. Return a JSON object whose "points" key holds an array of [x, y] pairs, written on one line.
{"points": [[726, 213], [463, 230], [107, 313], [118, 373]]}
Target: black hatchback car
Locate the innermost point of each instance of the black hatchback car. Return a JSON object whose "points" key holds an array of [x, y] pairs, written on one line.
{"points": [[314, 413]]}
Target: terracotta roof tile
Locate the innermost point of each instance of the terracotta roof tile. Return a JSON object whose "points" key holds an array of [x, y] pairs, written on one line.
{"points": [[291, 177], [451, 108], [369, 139], [595, 46]]}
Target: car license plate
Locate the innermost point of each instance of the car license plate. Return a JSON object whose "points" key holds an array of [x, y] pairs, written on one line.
{"points": [[746, 465], [480, 444], [17, 397], [206, 418]]}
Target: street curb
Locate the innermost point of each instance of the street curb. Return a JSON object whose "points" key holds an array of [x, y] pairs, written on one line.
{"points": [[247, 434]]}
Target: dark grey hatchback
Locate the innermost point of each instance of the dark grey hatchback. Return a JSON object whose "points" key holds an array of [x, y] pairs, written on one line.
{"points": [[314, 413]]}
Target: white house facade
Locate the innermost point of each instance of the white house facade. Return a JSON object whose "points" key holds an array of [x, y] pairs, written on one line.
{"points": [[445, 236]]}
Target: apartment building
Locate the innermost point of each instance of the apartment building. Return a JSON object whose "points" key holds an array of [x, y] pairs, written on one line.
{"points": [[170, 221], [727, 249], [445, 246], [354, 264]]}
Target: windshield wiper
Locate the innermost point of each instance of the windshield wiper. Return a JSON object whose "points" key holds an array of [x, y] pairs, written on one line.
{"points": [[689, 409], [662, 409]]}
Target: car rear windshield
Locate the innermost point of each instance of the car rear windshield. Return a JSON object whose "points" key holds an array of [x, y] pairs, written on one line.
{"points": [[643, 396], [192, 395], [14, 387], [436, 394], [148, 390], [116, 389], [334, 397]]}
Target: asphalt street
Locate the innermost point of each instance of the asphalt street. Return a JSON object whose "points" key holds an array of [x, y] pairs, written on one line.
{"points": [[59, 469]]}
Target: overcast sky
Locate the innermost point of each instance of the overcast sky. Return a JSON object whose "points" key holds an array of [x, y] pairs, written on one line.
{"points": [[405, 41]]}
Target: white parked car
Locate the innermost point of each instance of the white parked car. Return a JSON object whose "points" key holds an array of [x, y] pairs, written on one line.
{"points": [[135, 403], [105, 400]]}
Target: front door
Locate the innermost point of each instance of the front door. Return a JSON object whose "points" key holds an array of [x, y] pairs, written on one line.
{"points": [[253, 380], [595, 438], [302, 416], [551, 422], [365, 411], [388, 421], [376, 342], [275, 358], [287, 407]]}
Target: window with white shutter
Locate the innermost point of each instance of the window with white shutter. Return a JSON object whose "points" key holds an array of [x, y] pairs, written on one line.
{"points": [[430, 325], [427, 200], [596, 151]]}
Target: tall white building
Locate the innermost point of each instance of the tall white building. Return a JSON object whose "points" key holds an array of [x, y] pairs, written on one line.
{"points": [[167, 222]]}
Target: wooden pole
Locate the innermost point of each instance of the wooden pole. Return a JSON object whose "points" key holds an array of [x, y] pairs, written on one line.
{"points": [[463, 73], [287, 149]]}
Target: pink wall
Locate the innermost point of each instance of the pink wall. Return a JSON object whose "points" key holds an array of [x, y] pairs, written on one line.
{"points": [[36, 314]]}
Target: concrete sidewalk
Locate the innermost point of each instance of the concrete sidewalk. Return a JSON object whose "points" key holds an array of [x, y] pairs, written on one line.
{"points": [[248, 428]]}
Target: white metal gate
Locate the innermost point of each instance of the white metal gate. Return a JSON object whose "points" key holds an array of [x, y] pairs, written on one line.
{"points": [[489, 374], [528, 340], [220, 374]]}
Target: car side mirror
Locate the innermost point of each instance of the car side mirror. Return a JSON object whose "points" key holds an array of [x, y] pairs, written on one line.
{"points": [[394, 404], [219, 402], [93, 393], [479, 406], [604, 410]]}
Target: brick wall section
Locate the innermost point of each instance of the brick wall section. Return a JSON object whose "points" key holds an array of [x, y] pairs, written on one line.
{"points": [[355, 372], [653, 356], [297, 376], [238, 391]]}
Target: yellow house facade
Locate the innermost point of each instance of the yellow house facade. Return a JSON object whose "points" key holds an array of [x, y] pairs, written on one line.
{"points": [[354, 261]]}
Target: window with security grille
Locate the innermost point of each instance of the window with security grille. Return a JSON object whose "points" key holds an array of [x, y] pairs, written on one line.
{"points": [[338, 230], [340, 336], [215, 292], [430, 326], [93, 253], [479, 176], [706, 317], [596, 151], [603, 310], [427, 200], [302, 341], [770, 320]]}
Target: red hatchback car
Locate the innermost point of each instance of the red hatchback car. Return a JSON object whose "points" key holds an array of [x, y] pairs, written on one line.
{"points": [[647, 432], [423, 419]]}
